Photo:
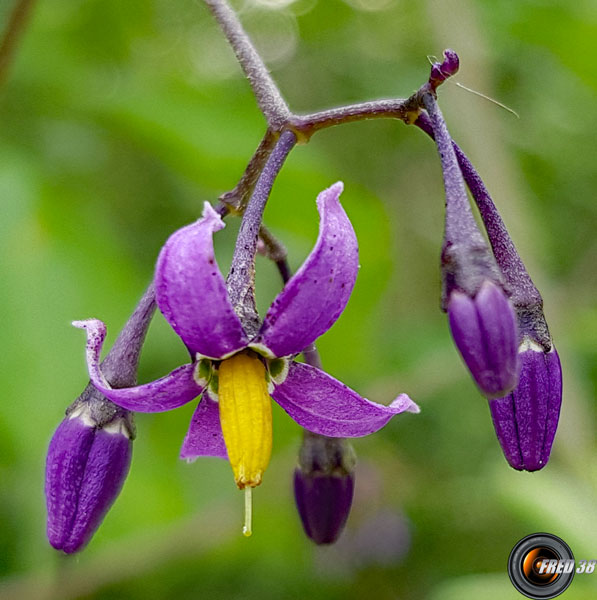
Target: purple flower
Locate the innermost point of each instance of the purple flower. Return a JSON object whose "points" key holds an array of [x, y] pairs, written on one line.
{"points": [[323, 486], [236, 372], [87, 463], [474, 294]]}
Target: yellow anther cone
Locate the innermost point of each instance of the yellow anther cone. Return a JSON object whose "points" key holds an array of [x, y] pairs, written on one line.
{"points": [[246, 417]]}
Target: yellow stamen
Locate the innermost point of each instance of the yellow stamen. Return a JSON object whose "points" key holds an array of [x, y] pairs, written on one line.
{"points": [[246, 416]]}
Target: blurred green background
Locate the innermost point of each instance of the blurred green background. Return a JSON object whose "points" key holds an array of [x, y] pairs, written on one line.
{"points": [[119, 119]]}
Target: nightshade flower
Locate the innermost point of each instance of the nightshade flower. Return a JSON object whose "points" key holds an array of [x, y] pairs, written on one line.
{"points": [[236, 374], [474, 295]]}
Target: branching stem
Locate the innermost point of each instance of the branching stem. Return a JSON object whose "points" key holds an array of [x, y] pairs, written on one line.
{"points": [[266, 92]]}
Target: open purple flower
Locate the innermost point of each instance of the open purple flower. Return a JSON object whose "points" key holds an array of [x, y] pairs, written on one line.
{"points": [[236, 373]]}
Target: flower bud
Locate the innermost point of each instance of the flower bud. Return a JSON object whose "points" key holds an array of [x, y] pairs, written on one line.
{"points": [[324, 485], [88, 460], [473, 292], [485, 333], [526, 420]]}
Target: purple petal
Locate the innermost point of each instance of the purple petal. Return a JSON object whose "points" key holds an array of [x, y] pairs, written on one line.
{"points": [[204, 437], [485, 332], [314, 298], [526, 420], [85, 470], [191, 292], [173, 390], [324, 405]]}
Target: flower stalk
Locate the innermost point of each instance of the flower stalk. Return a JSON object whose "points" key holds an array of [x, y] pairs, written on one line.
{"points": [[241, 278], [266, 92]]}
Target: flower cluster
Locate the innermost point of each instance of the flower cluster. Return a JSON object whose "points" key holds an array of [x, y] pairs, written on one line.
{"points": [[239, 361]]}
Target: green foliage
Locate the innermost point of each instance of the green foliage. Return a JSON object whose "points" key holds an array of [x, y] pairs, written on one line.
{"points": [[120, 118]]}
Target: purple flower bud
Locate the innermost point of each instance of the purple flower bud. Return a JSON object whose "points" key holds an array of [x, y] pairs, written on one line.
{"points": [[481, 316], [485, 333], [526, 420], [87, 463], [324, 486], [90, 453]]}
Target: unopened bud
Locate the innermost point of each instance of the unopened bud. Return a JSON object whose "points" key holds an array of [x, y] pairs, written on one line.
{"points": [[485, 333], [88, 460], [481, 315], [324, 486], [526, 420]]}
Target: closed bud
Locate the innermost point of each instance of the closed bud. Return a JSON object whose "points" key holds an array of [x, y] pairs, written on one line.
{"points": [[88, 460], [485, 333], [481, 316], [526, 420], [324, 486]]}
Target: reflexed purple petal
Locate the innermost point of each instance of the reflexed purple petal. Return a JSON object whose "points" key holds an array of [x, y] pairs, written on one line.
{"points": [[204, 437], [485, 332], [324, 405], [314, 298], [173, 390], [191, 292], [323, 501], [85, 470], [526, 420]]}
